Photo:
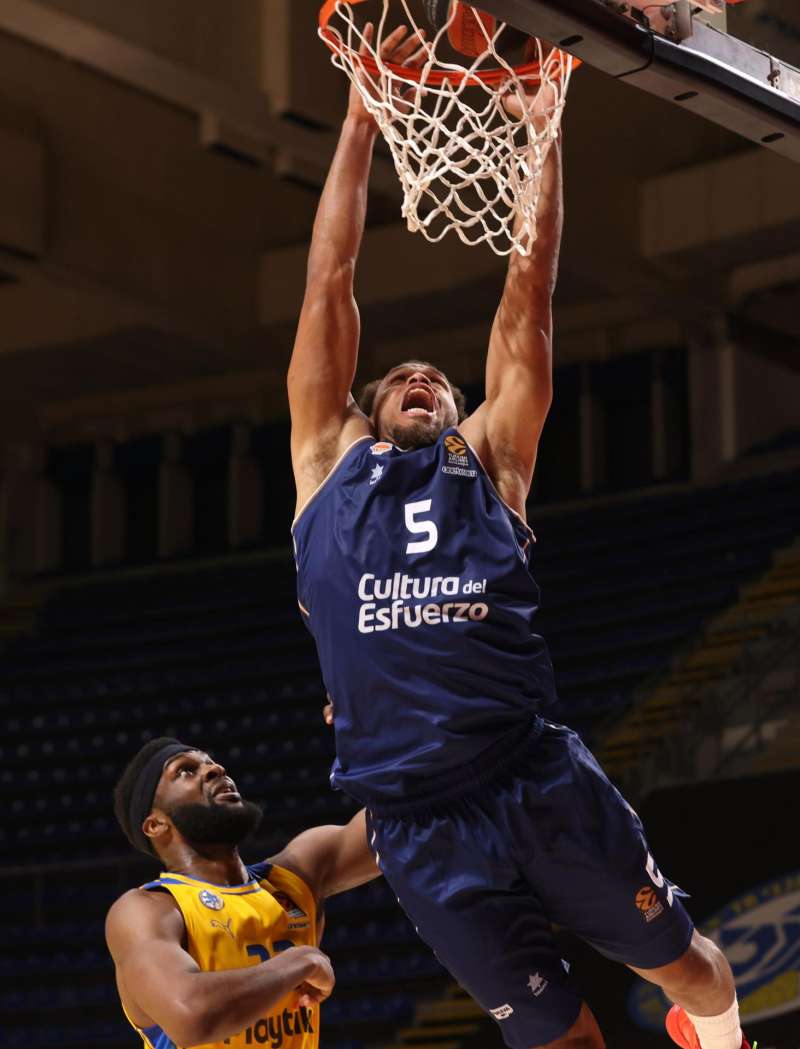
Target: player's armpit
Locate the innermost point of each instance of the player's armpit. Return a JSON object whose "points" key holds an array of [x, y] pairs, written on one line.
{"points": [[315, 451], [331, 859], [505, 433]]}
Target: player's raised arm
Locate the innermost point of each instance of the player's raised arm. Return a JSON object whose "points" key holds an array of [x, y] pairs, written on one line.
{"points": [[160, 983], [331, 859], [505, 430], [324, 415]]}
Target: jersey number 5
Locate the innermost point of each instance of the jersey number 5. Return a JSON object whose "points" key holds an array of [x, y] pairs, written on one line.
{"points": [[419, 526]]}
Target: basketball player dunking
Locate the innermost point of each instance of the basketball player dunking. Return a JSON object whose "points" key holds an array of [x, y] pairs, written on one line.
{"points": [[414, 577], [213, 952]]}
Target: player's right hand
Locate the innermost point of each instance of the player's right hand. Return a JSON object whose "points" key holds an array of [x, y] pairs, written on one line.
{"points": [[320, 979]]}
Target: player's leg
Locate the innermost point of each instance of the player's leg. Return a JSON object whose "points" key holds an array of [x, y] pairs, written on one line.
{"points": [[585, 854], [454, 878], [701, 984]]}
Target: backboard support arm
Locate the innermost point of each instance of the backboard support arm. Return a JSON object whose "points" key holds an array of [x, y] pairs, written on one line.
{"points": [[710, 73]]}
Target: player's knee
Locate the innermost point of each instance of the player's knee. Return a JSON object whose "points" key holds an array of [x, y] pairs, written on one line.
{"points": [[701, 967]]}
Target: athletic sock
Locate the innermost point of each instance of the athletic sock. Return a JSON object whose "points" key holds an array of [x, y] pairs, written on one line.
{"points": [[719, 1032]]}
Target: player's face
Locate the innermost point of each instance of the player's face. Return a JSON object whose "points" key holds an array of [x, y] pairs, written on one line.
{"points": [[202, 802], [195, 777], [413, 405]]}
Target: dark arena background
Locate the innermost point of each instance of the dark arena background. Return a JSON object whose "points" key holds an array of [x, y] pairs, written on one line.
{"points": [[160, 164]]}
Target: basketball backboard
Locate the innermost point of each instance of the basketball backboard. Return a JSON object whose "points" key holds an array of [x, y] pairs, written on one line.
{"points": [[680, 55]]}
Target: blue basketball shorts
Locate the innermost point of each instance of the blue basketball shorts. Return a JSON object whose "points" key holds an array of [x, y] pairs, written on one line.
{"points": [[484, 877]]}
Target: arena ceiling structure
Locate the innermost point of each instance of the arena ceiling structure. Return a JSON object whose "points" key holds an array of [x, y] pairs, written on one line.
{"points": [[162, 165]]}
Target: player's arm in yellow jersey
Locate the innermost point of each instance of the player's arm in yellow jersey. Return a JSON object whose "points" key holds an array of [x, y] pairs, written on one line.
{"points": [[160, 983]]}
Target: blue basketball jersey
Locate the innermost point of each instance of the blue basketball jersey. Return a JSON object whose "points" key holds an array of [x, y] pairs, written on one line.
{"points": [[414, 579]]}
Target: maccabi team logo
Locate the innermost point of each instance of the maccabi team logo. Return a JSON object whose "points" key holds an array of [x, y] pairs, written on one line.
{"points": [[759, 933]]}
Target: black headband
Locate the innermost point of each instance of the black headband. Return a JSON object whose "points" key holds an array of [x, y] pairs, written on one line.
{"points": [[144, 790]]}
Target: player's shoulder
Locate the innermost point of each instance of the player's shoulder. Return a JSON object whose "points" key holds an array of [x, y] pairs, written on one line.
{"points": [[140, 909]]}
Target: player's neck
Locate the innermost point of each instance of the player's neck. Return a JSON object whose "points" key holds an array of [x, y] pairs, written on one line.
{"points": [[216, 864]]}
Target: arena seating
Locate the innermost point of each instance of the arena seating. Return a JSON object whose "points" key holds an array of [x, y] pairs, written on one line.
{"points": [[217, 654]]}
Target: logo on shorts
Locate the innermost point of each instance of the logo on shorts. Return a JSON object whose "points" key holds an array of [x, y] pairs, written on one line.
{"points": [[648, 903], [502, 1012], [380, 448], [537, 984], [211, 900], [457, 459], [759, 933]]}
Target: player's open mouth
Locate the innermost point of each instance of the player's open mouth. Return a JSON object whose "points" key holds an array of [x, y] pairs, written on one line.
{"points": [[419, 400], [227, 790]]}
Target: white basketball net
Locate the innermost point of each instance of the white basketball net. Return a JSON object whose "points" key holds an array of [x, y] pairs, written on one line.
{"points": [[464, 162]]}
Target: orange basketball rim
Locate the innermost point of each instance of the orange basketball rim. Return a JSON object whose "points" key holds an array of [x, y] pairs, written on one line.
{"points": [[493, 77]]}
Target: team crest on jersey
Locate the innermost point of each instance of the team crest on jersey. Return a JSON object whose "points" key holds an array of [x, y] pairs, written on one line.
{"points": [[380, 448], [211, 900], [458, 464]]}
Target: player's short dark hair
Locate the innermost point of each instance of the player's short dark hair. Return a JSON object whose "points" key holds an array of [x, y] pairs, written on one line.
{"points": [[366, 396], [123, 792]]}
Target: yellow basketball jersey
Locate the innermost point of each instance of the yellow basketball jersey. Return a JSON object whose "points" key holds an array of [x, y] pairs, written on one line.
{"points": [[231, 927]]}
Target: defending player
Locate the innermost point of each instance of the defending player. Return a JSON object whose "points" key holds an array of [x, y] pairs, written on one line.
{"points": [[213, 952], [413, 556]]}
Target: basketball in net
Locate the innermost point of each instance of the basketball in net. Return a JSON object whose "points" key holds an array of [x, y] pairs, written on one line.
{"points": [[468, 127]]}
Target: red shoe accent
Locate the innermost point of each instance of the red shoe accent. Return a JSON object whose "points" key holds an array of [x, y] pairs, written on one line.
{"points": [[681, 1030]]}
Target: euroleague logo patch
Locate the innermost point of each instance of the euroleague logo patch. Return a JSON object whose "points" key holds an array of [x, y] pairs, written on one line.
{"points": [[458, 463], [455, 445], [759, 933], [380, 448], [648, 903]]}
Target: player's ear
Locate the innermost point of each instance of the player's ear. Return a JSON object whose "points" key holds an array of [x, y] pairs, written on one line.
{"points": [[156, 826]]}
